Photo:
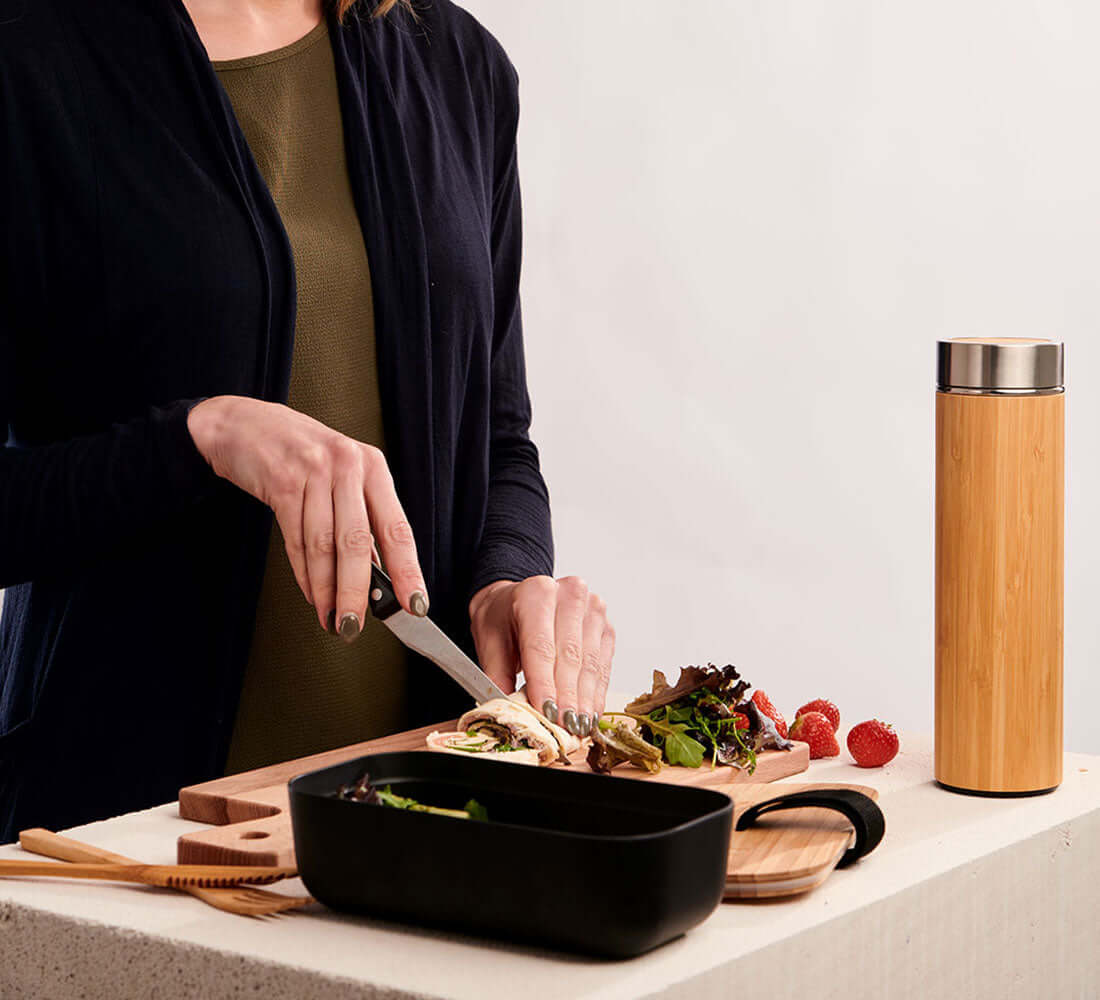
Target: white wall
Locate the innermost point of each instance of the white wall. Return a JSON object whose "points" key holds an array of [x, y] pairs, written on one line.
{"points": [[747, 224]]}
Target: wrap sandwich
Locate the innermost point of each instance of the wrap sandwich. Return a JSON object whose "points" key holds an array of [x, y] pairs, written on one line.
{"points": [[507, 729]]}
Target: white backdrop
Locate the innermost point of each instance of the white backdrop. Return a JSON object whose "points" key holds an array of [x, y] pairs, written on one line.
{"points": [[746, 225]]}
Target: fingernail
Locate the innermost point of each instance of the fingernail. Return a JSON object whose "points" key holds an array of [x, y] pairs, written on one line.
{"points": [[349, 626], [595, 721], [330, 622], [418, 602], [569, 720], [584, 725], [550, 710]]}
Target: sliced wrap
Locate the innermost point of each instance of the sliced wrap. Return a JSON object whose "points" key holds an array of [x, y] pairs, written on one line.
{"points": [[483, 745], [507, 729]]}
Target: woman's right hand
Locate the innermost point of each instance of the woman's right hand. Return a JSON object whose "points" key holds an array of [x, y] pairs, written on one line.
{"points": [[332, 496]]}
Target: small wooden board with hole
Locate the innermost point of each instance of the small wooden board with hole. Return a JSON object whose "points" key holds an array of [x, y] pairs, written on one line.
{"points": [[250, 812], [785, 853]]}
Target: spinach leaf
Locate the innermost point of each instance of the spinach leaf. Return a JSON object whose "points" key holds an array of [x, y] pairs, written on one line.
{"points": [[682, 749]]}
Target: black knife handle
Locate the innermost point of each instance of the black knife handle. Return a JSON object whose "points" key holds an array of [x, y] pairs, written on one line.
{"points": [[861, 811], [381, 600]]}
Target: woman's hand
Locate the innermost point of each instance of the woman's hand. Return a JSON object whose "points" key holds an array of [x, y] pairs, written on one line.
{"points": [[557, 633], [331, 495]]}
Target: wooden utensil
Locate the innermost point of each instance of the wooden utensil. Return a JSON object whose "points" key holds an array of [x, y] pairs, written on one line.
{"points": [[790, 852], [166, 876], [243, 900], [251, 811]]}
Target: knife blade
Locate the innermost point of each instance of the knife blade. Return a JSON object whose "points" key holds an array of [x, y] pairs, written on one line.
{"points": [[423, 636]]}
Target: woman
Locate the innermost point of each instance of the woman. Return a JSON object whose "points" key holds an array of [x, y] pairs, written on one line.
{"points": [[260, 266]]}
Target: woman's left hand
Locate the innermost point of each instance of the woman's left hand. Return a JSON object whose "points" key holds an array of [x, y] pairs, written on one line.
{"points": [[557, 633]]}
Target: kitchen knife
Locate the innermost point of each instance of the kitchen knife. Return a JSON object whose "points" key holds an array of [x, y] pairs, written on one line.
{"points": [[423, 636]]}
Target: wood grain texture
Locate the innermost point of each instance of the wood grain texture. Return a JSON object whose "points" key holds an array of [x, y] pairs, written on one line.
{"points": [[250, 812], [999, 591], [247, 901], [785, 853], [164, 876]]}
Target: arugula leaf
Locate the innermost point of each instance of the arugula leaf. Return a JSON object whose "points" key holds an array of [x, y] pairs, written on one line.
{"points": [[679, 746], [475, 810], [388, 797], [704, 724]]}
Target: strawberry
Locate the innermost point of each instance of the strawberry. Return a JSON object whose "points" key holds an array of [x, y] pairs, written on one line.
{"points": [[826, 708], [816, 729], [872, 743], [742, 720], [762, 702]]}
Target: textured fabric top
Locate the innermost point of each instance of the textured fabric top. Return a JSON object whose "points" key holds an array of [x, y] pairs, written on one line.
{"points": [[144, 266], [305, 690]]}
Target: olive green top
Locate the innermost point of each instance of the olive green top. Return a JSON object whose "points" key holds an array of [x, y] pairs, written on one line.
{"points": [[305, 690]]}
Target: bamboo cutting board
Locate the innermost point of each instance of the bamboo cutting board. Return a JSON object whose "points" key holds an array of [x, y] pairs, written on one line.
{"points": [[250, 812], [785, 853]]}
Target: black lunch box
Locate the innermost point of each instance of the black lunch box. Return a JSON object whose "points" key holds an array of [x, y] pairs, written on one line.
{"points": [[568, 859]]}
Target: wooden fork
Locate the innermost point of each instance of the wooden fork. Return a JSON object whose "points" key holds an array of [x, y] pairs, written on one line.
{"points": [[243, 900]]}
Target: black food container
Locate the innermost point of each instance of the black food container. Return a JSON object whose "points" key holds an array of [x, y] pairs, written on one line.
{"points": [[568, 859]]}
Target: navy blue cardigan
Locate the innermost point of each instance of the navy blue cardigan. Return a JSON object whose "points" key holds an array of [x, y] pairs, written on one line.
{"points": [[143, 266]]}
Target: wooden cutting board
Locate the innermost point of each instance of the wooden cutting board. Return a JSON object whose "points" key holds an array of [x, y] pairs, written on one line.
{"points": [[250, 812], [785, 853]]}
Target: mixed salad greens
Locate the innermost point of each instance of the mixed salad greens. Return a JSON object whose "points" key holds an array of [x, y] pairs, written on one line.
{"points": [[363, 791], [704, 715]]}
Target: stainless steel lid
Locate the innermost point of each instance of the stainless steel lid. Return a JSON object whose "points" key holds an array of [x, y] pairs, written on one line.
{"points": [[1010, 366]]}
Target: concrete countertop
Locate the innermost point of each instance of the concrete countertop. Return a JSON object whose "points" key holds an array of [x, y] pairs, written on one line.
{"points": [[966, 896]]}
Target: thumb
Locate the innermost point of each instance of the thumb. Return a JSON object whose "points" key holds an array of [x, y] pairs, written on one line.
{"points": [[496, 651]]}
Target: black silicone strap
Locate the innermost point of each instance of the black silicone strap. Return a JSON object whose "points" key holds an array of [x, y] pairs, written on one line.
{"points": [[861, 810]]}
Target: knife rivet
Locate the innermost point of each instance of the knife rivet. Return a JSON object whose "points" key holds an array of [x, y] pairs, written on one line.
{"points": [[376, 594]]}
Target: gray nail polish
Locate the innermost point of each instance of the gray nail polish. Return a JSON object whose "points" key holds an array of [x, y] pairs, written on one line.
{"points": [[550, 710], [595, 721], [584, 725], [349, 626], [569, 720], [418, 603], [330, 622]]}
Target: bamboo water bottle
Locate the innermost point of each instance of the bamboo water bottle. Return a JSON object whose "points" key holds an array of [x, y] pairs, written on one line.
{"points": [[1000, 432]]}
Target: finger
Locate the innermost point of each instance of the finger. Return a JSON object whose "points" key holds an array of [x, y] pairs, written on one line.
{"points": [[569, 647], [289, 518], [607, 654], [533, 605], [353, 548], [595, 619], [318, 526], [496, 653], [395, 535]]}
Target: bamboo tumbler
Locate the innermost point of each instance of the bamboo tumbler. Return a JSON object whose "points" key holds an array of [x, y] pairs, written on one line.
{"points": [[1000, 446]]}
